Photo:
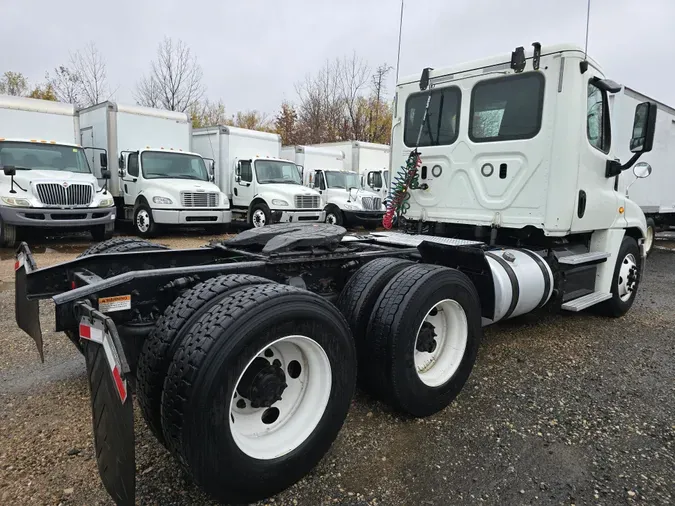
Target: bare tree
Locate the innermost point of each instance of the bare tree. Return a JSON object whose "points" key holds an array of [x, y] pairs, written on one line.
{"points": [[174, 81], [90, 72], [352, 76], [66, 85], [320, 111]]}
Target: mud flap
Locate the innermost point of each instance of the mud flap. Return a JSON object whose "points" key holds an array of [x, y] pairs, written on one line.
{"points": [[27, 311], [111, 405]]}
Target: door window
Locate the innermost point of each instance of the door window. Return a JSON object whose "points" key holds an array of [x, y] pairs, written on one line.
{"points": [[245, 171], [597, 119], [132, 164]]}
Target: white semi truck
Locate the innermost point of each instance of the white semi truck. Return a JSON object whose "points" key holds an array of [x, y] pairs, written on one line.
{"points": [[370, 160], [656, 195], [159, 182], [247, 369], [46, 181], [342, 197], [263, 187]]}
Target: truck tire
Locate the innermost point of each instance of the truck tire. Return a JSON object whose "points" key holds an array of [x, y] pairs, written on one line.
{"points": [[334, 216], [102, 232], [357, 299], [651, 236], [144, 224], [625, 281], [160, 347], [422, 339], [7, 235], [260, 215], [222, 410]]}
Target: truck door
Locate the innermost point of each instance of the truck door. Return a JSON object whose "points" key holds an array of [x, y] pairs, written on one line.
{"points": [[243, 188], [597, 203], [130, 181]]}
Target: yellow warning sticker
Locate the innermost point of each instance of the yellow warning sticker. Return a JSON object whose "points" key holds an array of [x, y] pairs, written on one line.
{"points": [[117, 303]]}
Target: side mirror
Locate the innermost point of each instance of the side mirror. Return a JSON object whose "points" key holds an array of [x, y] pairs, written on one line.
{"points": [[9, 170], [644, 126], [642, 170], [105, 173], [121, 162], [123, 173], [104, 161], [237, 178]]}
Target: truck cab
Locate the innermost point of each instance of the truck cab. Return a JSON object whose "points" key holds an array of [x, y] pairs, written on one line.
{"points": [[264, 187], [345, 202], [46, 181], [376, 180], [518, 150], [168, 187]]}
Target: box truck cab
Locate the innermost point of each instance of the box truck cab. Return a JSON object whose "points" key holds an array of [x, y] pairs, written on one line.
{"points": [[369, 159], [342, 197], [159, 182], [263, 187], [46, 180]]}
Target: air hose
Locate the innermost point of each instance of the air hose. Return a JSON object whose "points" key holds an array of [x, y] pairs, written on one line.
{"points": [[406, 178]]}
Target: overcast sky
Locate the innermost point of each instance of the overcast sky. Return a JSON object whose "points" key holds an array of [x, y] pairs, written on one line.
{"points": [[253, 51]]}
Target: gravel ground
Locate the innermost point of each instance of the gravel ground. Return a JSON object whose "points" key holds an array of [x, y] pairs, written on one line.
{"points": [[562, 409]]}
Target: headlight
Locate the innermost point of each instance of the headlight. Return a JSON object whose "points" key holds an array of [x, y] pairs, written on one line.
{"points": [[162, 200], [278, 202], [15, 202], [105, 203]]}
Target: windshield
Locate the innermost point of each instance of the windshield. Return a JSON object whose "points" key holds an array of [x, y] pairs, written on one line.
{"points": [[157, 165], [346, 180], [29, 155], [277, 171]]}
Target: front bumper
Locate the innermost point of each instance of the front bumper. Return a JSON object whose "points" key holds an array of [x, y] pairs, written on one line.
{"points": [[296, 216], [363, 217], [56, 217], [191, 216]]}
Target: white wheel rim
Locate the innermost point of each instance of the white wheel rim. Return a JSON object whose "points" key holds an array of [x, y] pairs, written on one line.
{"points": [[627, 277], [143, 220], [300, 408], [435, 368], [331, 219], [259, 218], [649, 240]]}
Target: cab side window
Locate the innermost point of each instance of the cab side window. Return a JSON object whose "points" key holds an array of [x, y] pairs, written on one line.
{"points": [[597, 119], [132, 164], [245, 171]]}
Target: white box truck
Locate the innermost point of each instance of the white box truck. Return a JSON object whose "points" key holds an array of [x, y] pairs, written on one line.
{"points": [[655, 195], [369, 159], [263, 188], [46, 180], [159, 181], [343, 199]]}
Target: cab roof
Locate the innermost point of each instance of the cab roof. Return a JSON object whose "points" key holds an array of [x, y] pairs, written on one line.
{"points": [[500, 60]]}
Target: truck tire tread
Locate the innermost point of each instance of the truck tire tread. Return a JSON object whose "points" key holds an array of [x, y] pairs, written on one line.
{"points": [[357, 299], [128, 244], [218, 345], [160, 346], [393, 309]]}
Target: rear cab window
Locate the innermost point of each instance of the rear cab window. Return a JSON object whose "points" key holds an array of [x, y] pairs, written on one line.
{"points": [[441, 125], [507, 108]]}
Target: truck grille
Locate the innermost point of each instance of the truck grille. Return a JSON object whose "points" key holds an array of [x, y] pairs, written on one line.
{"points": [[372, 203], [56, 194], [307, 201], [199, 199]]}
